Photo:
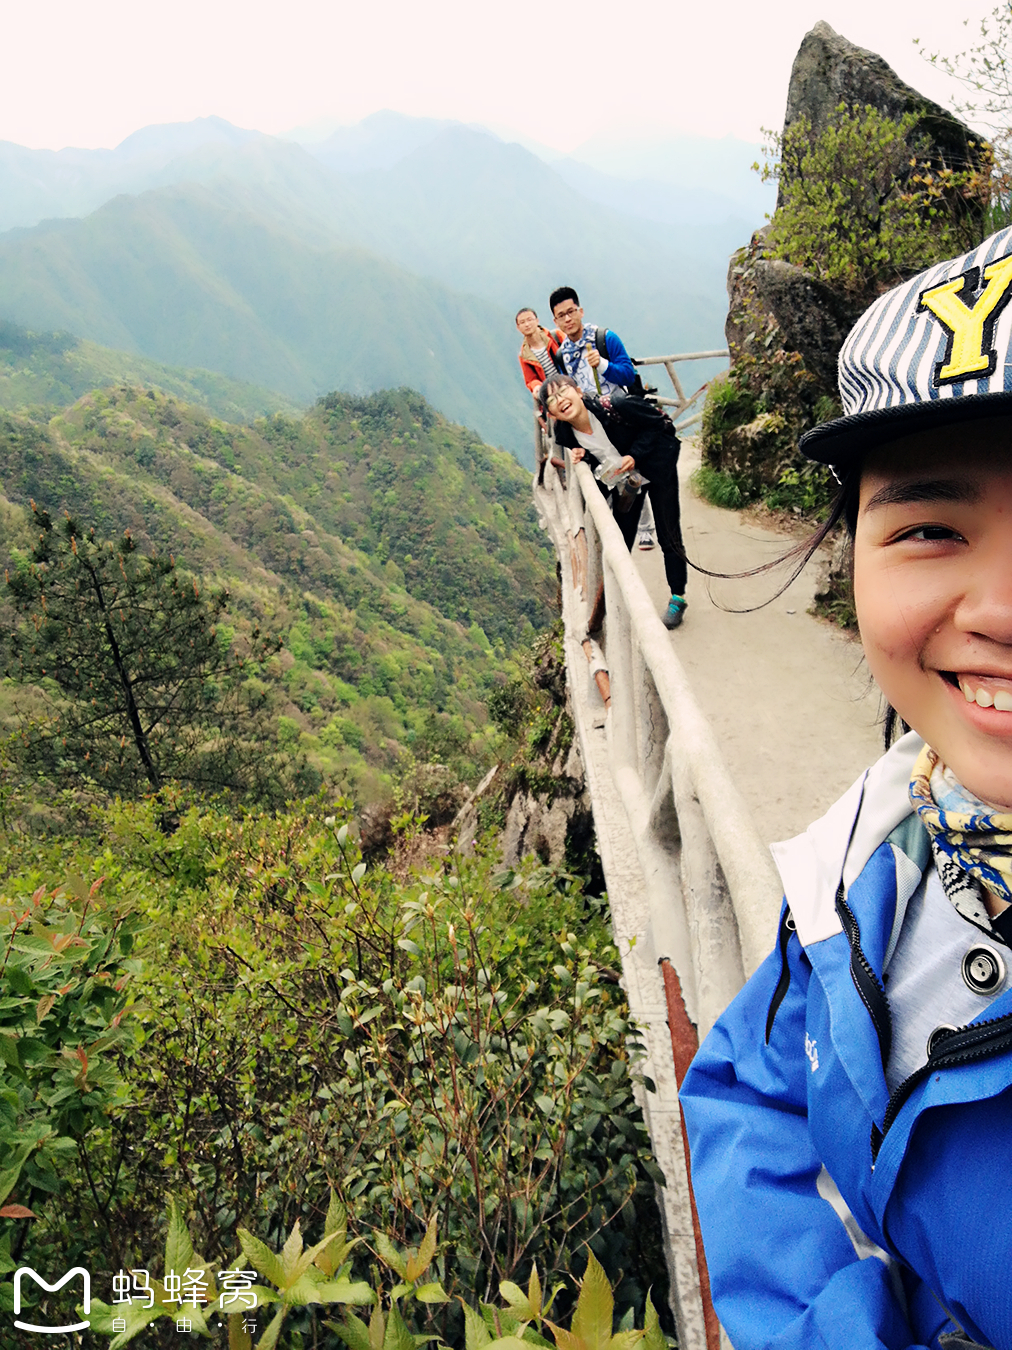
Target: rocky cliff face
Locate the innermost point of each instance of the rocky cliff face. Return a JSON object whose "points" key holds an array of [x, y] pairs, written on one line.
{"points": [[540, 800], [785, 326], [828, 70], [557, 825], [810, 317]]}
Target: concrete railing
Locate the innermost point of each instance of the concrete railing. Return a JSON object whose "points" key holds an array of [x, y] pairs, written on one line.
{"points": [[710, 876], [694, 893]]}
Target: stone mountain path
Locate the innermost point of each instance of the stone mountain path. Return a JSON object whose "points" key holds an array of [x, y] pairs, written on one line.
{"points": [[789, 697]]}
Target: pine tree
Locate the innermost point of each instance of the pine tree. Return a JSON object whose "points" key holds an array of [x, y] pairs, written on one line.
{"points": [[142, 687]]}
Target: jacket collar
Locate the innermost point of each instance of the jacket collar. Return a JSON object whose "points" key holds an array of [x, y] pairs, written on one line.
{"points": [[840, 843], [586, 338], [549, 340]]}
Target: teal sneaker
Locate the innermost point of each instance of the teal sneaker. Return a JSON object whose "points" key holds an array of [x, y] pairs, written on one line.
{"points": [[675, 612]]}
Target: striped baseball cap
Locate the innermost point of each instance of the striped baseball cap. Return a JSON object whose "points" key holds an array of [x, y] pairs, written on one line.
{"points": [[934, 351]]}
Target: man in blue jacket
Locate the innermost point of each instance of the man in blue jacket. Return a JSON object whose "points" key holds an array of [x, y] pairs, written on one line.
{"points": [[580, 357], [609, 376]]}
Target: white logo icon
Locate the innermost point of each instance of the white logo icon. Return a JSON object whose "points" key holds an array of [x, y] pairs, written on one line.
{"points": [[52, 1288], [812, 1051]]}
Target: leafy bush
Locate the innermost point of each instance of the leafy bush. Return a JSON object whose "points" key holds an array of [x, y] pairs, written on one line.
{"points": [[63, 975], [508, 705], [729, 404], [295, 1279], [443, 1045], [752, 420], [718, 488], [862, 205], [803, 490]]}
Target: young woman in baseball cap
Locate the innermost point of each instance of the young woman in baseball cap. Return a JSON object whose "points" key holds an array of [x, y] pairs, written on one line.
{"points": [[850, 1115]]}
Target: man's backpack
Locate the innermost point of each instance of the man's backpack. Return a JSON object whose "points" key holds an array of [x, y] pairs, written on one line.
{"points": [[637, 387]]}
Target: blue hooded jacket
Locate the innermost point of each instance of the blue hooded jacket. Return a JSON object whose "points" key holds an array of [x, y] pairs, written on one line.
{"points": [[834, 1215]]}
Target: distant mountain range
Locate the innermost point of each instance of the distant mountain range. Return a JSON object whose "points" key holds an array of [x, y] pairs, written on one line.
{"points": [[392, 253]]}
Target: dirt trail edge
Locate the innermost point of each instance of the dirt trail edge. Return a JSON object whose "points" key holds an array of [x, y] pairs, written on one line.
{"points": [[790, 698]]}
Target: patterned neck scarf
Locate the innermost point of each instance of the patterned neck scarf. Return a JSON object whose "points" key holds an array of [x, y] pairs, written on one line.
{"points": [[575, 357], [971, 841]]}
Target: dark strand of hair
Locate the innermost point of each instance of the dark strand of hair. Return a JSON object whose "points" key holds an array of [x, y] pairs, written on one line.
{"points": [[843, 507]]}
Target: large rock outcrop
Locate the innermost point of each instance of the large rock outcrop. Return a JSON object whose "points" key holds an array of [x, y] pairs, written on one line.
{"points": [[785, 326], [556, 827], [828, 70], [540, 798], [547, 812]]}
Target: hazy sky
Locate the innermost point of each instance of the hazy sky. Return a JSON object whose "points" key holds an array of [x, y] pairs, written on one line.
{"points": [[89, 74]]}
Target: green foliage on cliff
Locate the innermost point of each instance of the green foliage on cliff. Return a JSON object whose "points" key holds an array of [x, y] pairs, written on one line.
{"points": [[862, 205], [752, 419], [433, 1041]]}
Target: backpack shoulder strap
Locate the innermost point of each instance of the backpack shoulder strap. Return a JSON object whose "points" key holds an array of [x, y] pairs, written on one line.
{"points": [[600, 333]]}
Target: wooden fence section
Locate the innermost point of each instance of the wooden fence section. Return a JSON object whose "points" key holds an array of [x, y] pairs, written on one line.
{"points": [[694, 893], [680, 403]]}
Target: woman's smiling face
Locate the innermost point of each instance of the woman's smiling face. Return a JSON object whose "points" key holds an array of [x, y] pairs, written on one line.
{"points": [[933, 589], [565, 402]]}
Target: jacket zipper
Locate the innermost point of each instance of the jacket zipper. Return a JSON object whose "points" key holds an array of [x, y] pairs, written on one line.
{"points": [[952, 1049], [787, 927], [868, 985]]}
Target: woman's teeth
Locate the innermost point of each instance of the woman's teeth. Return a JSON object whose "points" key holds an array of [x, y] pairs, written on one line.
{"points": [[1000, 700]]}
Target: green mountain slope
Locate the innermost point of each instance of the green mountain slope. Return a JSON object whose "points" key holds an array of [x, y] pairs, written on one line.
{"points": [[187, 277], [305, 519], [53, 370]]}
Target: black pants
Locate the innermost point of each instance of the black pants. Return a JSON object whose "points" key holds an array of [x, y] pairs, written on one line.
{"points": [[663, 493]]}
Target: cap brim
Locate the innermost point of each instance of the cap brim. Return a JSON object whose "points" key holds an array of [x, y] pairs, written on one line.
{"points": [[842, 442]]}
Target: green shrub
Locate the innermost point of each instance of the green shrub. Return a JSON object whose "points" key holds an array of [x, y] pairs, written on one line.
{"points": [[296, 1281], [728, 405], [437, 1042], [717, 488], [806, 490], [508, 705], [863, 204], [65, 966]]}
